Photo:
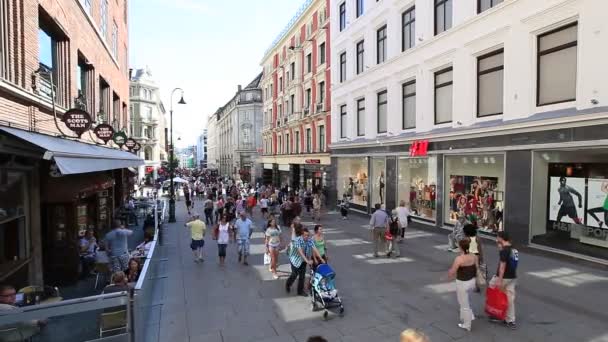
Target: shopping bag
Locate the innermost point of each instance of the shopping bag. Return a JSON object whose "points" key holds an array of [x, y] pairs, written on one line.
{"points": [[482, 275], [216, 232], [266, 259], [496, 303], [388, 236]]}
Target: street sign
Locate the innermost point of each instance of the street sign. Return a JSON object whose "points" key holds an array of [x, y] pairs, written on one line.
{"points": [[104, 132], [119, 138], [77, 120], [137, 147], [313, 161], [130, 143]]}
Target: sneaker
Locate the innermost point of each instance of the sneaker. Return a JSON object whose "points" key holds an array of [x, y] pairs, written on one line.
{"points": [[461, 326], [275, 276], [196, 261], [511, 325], [245, 263]]}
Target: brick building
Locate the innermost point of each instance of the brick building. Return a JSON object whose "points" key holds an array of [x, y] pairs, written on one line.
{"points": [[58, 56], [297, 98]]}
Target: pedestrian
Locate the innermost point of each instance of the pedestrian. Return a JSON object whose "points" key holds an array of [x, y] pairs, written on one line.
{"points": [[197, 232], [464, 270], [264, 206], [344, 204], [411, 335], [219, 208], [116, 242], [506, 275], [457, 233], [403, 213], [222, 235], [208, 209], [187, 198], [273, 243], [394, 230], [244, 230], [302, 253], [319, 240], [378, 225], [316, 208], [470, 231], [251, 203]]}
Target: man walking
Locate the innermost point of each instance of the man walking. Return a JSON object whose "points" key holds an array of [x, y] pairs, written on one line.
{"points": [[303, 252], [208, 205], [244, 231], [197, 232], [506, 275], [116, 241], [378, 224]]}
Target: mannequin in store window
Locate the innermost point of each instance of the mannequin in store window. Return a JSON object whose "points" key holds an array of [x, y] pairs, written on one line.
{"points": [[566, 202], [381, 187]]}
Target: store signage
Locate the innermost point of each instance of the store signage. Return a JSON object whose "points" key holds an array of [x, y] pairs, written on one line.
{"points": [[130, 144], [149, 169], [419, 148], [104, 132], [137, 147], [77, 120], [119, 138], [313, 161]]}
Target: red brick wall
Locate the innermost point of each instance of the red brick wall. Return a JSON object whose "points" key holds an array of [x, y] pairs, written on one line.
{"points": [[27, 110]]}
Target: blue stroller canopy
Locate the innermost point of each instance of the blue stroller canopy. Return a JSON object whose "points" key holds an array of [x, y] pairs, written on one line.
{"points": [[325, 270]]}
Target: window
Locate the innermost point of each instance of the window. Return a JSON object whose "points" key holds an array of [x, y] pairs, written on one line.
{"points": [[280, 151], [342, 16], [360, 59], [360, 117], [103, 26], [280, 83], [443, 15], [322, 53], [293, 70], [381, 44], [287, 144], [556, 74], [382, 104], [5, 38], [322, 138], [443, 96], [343, 121], [408, 29], [483, 5], [309, 62], [321, 92], [308, 140], [104, 101], [343, 67], [307, 99], [115, 40], [87, 5], [292, 103], [297, 142], [490, 83], [409, 105], [359, 6], [53, 52]]}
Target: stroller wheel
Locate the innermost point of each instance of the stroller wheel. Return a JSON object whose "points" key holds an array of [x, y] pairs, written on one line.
{"points": [[325, 315]]}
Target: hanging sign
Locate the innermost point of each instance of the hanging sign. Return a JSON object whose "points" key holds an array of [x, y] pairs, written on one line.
{"points": [[119, 138], [313, 161], [104, 132], [137, 147], [419, 148], [77, 120], [130, 143]]}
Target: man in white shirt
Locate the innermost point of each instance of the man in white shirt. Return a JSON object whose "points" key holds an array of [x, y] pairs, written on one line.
{"points": [[403, 213]]}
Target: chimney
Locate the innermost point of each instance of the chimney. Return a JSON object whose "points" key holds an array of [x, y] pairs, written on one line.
{"points": [[239, 88]]}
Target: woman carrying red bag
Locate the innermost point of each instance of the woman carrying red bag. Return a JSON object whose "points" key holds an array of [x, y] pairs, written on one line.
{"points": [[464, 269]]}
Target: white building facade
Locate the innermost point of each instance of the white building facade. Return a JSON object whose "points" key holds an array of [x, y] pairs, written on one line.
{"points": [[485, 108], [147, 123], [212, 143], [201, 150]]}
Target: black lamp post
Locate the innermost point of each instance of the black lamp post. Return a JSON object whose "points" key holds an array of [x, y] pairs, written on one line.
{"points": [[172, 158]]}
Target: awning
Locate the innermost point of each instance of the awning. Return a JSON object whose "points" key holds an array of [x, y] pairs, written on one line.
{"points": [[77, 157]]}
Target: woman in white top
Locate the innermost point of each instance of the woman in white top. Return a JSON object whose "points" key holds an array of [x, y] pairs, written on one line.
{"points": [[273, 242], [223, 237], [403, 214]]}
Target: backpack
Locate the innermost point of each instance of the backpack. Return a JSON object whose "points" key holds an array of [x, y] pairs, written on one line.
{"points": [[394, 226], [514, 258]]}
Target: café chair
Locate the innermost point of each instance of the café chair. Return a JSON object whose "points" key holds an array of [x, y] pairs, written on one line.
{"points": [[112, 322], [102, 270]]}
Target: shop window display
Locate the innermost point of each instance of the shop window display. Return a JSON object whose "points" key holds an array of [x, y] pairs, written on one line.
{"points": [[476, 190], [417, 185], [353, 180], [378, 186]]}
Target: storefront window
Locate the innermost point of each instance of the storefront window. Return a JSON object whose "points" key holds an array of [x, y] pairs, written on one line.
{"points": [[378, 181], [353, 180], [417, 185], [476, 189], [13, 235], [570, 201]]}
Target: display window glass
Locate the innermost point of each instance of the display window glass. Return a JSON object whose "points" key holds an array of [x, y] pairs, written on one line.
{"points": [[476, 190], [378, 181], [353, 180], [570, 201], [13, 218], [417, 185]]}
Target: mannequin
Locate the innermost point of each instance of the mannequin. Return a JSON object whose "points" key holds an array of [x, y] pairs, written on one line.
{"points": [[381, 186]]}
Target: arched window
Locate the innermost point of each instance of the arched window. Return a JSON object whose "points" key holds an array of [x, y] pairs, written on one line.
{"points": [[148, 153]]}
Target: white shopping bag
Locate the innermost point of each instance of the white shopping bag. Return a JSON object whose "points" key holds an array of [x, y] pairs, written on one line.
{"points": [[266, 259]]}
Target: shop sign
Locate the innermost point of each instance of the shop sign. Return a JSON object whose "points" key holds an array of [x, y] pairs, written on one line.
{"points": [[137, 147], [77, 120], [119, 138], [313, 161], [149, 169], [104, 132], [130, 144], [419, 148]]}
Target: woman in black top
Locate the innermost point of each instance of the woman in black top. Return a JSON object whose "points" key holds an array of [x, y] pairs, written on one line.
{"points": [[464, 269]]}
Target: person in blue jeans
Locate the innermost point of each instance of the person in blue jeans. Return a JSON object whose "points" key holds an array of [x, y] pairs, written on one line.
{"points": [[244, 230]]}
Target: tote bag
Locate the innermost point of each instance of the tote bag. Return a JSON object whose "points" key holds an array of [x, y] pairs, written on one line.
{"points": [[496, 303]]}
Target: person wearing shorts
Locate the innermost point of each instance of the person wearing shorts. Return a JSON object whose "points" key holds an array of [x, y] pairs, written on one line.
{"points": [[223, 237], [197, 232], [273, 243], [264, 206], [244, 230]]}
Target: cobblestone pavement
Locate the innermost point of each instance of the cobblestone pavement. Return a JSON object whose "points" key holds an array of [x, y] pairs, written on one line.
{"points": [[558, 299]]}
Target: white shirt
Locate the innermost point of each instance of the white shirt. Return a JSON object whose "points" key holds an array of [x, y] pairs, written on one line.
{"points": [[223, 235], [264, 203], [402, 214]]}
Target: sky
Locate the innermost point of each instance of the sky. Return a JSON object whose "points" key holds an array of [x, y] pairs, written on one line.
{"points": [[205, 47]]}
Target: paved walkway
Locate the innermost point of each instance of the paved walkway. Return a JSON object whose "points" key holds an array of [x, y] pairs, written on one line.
{"points": [[558, 299]]}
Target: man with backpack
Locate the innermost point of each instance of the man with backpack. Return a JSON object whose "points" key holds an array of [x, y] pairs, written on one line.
{"points": [[506, 275], [394, 230]]}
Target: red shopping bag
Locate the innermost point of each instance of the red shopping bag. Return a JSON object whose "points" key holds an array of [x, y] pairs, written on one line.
{"points": [[388, 236], [496, 303]]}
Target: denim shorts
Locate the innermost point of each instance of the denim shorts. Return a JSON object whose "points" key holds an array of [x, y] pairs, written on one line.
{"points": [[221, 249]]}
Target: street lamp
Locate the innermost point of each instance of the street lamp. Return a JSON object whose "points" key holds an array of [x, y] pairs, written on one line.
{"points": [[172, 157]]}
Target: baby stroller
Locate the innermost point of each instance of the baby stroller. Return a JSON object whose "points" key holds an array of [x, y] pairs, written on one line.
{"points": [[324, 294]]}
